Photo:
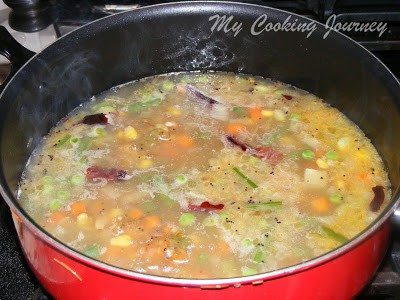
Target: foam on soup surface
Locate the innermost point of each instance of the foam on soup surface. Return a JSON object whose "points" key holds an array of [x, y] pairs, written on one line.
{"points": [[204, 176]]}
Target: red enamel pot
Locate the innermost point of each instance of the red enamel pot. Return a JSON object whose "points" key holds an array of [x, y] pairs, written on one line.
{"points": [[196, 36]]}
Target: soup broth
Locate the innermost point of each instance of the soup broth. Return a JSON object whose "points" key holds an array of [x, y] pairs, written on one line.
{"points": [[209, 175]]}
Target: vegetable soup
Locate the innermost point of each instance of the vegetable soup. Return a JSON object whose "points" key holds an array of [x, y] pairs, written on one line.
{"points": [[210, 175]]}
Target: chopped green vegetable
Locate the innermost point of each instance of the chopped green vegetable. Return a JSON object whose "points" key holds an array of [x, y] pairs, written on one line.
{"points": [[181, 179], [308, 154], [334, 235], [331, 155], [202, 258], [336, 198], [248, 180], [47, 179], [55, 205], [148, 206], [254, 160], [84, 143], [99, 131], [239, 111], [185, 79], [78, 179], [93, 251], [138, 107], [247, 243], [167, 85], [224, 215], [166, 200], [63, 195], [259, 256], [264, 205], [63, 140], [47, 189], [294, 117], [276, 135], [246, 271], [299, 252], [204, 135], [74, 141], [187, 219], [153, 102]]}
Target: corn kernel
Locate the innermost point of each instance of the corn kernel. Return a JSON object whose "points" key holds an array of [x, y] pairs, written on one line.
{"points": [[174, 111], [122, 240], [360, 154], [322, 164], [145, 163], [130, 133], [267, 113], [82, 219], [279, 115], [340, 184], [343, 143], [116, 212]]}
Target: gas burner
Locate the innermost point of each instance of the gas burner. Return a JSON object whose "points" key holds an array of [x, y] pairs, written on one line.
{"points": [[30, 16]]}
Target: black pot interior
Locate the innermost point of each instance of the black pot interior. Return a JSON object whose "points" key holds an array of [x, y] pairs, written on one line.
{"points": [[178, 37]]}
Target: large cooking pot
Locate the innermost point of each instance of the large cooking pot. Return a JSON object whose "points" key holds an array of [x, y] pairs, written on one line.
{"points": [[182, 37]]}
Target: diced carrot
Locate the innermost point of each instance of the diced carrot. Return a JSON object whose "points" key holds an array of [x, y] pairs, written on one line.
{"points": [[95, 207], [321, 205], [319, 153], [255, 113], [167, 229], [223, 248], [151, 222], [364, 176], [179, 254], [56, 217], [78, 208], [185, 141], [136, 213], [235, 128], [167, 149]]}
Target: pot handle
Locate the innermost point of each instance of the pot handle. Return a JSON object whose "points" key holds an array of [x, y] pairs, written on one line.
{"points": [[17, 54]]}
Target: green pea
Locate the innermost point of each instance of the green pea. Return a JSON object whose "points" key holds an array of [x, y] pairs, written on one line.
{"points": [[331, 155], [336, 198], [308, 154], [55, 205], [294, 117], [167, 85], [187, 219]]}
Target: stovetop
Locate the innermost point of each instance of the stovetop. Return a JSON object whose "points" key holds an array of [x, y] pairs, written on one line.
{"points": [[40, 27]]}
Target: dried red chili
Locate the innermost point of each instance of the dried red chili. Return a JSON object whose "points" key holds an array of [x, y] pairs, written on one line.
{"points": [[205, 206], [93, 173], [95, 119], [287, 97], [266, 153], [379, 196]]}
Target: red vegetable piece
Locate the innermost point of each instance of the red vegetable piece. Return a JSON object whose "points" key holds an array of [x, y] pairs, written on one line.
{"points": [[95, 119], [206, 206], [379, 196], [269, 154], [93, 173], [287, 97]]}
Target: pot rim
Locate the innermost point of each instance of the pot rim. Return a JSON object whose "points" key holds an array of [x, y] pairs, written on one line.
{"points": [[22, 216]]}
